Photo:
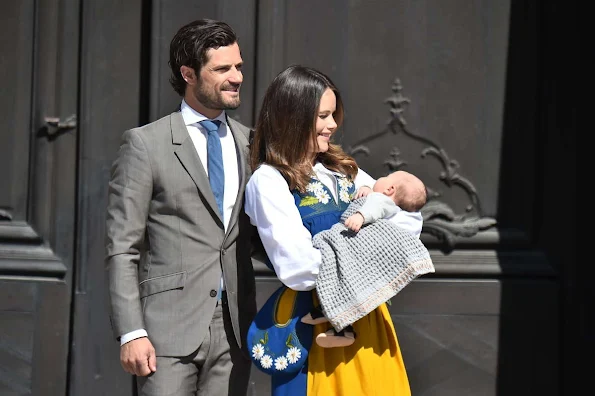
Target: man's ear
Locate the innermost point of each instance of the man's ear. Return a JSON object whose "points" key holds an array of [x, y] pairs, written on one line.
{"points": [[188, 75]]}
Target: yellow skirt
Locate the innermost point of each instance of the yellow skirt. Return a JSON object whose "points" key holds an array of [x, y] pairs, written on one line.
{"points": [[371, 366]]}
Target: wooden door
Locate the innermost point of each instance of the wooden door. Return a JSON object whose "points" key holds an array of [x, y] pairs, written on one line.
{"points": [[472, 96], [38, 166]]}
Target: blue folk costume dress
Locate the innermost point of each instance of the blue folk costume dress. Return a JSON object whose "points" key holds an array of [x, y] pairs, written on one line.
{"points": [[373, 365]]}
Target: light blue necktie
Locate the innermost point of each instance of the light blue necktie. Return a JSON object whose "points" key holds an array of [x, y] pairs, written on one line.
{"points": [[215, 161], [215, 167]]}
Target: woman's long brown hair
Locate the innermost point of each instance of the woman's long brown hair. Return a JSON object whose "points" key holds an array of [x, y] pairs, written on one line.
{"points": [[286, 127]]}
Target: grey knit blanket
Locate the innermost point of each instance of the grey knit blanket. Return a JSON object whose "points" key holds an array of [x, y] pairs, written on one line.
{"points": [[362, 270]]}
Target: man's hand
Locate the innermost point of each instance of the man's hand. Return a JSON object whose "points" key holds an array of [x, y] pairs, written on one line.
{"points": [[138, 357], [362, 192], [355, 221]]}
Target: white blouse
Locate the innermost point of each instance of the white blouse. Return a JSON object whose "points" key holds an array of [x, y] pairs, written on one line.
{"points": [[288, 244]]}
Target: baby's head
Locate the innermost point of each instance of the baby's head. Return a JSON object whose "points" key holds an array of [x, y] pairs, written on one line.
{"points": [[405, 189]]}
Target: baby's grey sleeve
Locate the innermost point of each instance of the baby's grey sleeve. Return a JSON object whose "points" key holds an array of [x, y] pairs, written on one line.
{"points": [[377, 206]]}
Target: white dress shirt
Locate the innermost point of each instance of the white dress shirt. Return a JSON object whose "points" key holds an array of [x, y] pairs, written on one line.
{"points": [[288, 244], [198, 134]]}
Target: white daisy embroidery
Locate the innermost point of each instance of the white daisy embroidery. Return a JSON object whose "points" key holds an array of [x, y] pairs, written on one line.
{"points": [[322, 196], [344, 196], [281, 363], [293, 355], [266, 361], [344, 183], [257, 351], [314, 187]]}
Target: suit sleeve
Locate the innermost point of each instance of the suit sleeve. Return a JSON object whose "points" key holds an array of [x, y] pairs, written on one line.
{"points": [[129, 197]]}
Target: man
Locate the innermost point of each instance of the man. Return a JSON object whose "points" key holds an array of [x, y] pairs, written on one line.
{"points": [[181, 282]]}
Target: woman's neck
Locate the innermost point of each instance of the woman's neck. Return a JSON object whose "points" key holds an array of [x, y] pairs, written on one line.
{"points": [[315, 159]]}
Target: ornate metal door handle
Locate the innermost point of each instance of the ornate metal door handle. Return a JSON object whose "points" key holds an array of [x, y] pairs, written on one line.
{"points": [[55, 126]]}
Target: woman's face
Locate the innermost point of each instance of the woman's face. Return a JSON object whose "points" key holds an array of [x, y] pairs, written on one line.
{"points": [[325, 122]]}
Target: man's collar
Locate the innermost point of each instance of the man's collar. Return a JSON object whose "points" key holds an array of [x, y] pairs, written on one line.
{"points": [[192, 116]]}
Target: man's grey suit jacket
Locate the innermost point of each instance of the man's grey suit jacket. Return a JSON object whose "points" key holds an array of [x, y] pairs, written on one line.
{"points": [[166, 244]]}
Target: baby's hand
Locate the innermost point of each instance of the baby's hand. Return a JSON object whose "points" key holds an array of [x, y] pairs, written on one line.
{"points": [[363, 191], [354, 222]]}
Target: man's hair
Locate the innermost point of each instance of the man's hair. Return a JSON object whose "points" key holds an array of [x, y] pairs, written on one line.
{"points": [[190, 45], [286, 127]]}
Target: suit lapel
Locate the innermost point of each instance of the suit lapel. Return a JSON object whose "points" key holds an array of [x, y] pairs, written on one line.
{"points": [[241, 143], [186, 153]]}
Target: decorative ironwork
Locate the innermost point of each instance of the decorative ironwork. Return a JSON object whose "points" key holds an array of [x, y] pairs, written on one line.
{"points": [[440, 220]]}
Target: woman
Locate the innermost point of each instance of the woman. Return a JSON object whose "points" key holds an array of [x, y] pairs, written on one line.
{"points": [[300, 186]]}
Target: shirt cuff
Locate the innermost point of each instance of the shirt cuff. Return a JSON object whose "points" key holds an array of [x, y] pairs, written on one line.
{"points": [[133, 335]]}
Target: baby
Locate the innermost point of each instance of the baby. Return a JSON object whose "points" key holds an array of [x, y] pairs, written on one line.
{"points": [[399, 190]]}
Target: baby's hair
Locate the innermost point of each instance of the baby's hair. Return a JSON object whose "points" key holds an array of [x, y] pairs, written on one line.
{"points": [[411, 191]]}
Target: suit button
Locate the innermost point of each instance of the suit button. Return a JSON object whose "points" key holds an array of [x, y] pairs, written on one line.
{"points": [[213, 293], [223, 252]]}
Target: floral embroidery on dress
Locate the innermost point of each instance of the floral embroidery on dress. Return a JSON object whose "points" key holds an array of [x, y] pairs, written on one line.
{"points": [[344, 183], [257, 351], [291, 356], [318, 193], [344, 196], [315, 187], [266, 361], [281, 363]]}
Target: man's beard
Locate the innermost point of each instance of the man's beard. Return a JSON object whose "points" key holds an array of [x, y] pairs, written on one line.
{"points": [[215, 100]]}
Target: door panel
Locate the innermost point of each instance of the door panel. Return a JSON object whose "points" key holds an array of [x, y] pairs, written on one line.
{"points": [[110, 102], [38, 158]]}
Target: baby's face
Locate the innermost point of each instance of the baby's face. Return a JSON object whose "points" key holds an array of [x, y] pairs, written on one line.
{"points": [[388, 186], [382, 185]]}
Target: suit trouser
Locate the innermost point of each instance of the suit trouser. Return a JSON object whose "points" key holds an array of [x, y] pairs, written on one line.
{"points": [[216, 368]]}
